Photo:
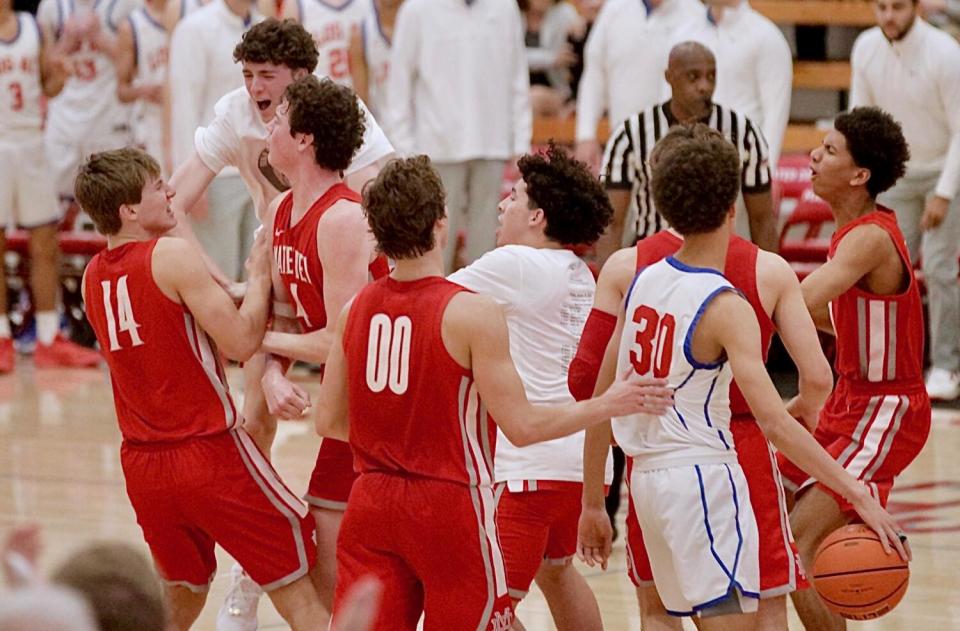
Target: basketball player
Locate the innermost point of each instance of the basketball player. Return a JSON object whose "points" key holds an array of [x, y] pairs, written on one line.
{"points": [[31, 68], [772, 289], [683, 320], [142, 55], [332, 23], [193, 476], [370, 55], [323, 255], [878, 417], [415, 365], [545, 291]]}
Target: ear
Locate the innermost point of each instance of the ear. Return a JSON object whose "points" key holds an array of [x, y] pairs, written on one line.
{"points": [[860, 178], [304, 141], [538, 217], [300, 73], [127, 213]]}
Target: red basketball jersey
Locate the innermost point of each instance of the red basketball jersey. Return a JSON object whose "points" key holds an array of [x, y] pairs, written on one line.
{"points": [[295, 255], [879, 338], [740, 268], [168, 383], [413, 409]]}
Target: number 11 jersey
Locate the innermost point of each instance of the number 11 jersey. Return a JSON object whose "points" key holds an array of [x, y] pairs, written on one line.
{"points": [[663, 307]]}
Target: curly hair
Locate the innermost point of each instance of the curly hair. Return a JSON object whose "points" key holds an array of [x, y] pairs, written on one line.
{"points": [[574, 202], [330, 113], [402, 206], [876, 143], [110, 179], [278, 42], [696, 178]]}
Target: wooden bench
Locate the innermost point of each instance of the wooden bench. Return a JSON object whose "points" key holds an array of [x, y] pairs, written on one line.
{"points": [[822, 12]]}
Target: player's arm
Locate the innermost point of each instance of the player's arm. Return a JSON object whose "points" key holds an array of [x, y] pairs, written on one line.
{"points": [[171, 14], [799, 336], [617, 170], [763, 221], [480, 322], [358, 65], [730, 323], [179, 270], [332, 420], [404, 53], [861, 251], [53, 65], [291, 9], [755, 181], [126, 62], [591, 95]]}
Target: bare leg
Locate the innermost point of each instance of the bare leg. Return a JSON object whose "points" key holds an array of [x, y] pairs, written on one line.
{"points": [[3, 276], [571, 601], [815, 515], [737, 622], [185, 606], [517, 625], [300, 606], [44, 275], [256, 420], [324, 573], [772, 614], [653, 615]]}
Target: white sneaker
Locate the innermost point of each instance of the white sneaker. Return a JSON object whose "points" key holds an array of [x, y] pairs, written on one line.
{"points": [[239, 609], [943, 384]]}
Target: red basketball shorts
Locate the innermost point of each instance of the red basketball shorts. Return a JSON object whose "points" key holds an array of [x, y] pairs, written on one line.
{"points": [[780, 568], [332, 476], [434, 547], [193, 494], [873, 436], [537, 526]]}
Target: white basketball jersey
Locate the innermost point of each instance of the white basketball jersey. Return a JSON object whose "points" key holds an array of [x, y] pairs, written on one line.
{"points": [[151, 44], [20, 89], [331, 27], [376, 51], [663, 307], [189, 6]]}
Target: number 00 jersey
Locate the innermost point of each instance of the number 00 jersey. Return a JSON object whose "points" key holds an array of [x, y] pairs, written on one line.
{"points": [[414, 411], [168, 384], [663, 307]]}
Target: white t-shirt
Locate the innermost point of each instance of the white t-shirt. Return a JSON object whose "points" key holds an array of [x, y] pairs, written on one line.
{"points": [[237, 137], [546, 295]]}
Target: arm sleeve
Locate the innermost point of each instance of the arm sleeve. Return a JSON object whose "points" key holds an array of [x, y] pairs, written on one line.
{"points": [[755, 173], [617, 168], [217, 144], [592, 94], [585, 366], [187, 83], [775, 78], [497, 274], [949, 183], [860, 92], [400, 116], [522, 114], [375, 144]]}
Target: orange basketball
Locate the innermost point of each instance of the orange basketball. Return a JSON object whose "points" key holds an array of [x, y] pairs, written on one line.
{"points": [[855, 577]]}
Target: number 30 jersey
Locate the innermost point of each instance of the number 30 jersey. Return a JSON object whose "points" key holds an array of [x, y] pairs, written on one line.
{"points": [[414, 411], [663, 307], [168, 383]]}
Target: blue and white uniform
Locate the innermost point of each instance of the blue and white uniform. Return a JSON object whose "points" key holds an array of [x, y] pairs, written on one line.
{"points": [[691, 496]]}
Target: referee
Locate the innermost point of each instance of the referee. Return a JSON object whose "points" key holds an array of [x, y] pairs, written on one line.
{"points": [[692, 75]]}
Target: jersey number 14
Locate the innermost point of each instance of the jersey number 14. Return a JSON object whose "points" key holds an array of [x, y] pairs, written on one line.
{"points": [[124, 319], [653, 344]]}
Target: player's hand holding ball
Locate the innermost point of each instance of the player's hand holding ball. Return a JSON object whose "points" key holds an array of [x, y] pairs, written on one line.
{"points": [[881, 522]]}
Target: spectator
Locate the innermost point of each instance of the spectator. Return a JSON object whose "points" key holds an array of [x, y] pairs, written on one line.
{"points": [[459, 91], [588, 11], [370, 55], [625, 57], [202, 70], [547, 26], [754, 64], [944, 14], [912, 70], [44, 609], [691, 74]]}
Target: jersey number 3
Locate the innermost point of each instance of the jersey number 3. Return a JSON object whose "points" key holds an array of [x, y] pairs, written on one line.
{"points": [[653, 342], [124, 314], [388, 353]]}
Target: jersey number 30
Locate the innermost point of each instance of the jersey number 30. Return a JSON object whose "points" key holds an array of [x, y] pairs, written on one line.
{"points": [[388, 353], [124, 311], [653, 343]]}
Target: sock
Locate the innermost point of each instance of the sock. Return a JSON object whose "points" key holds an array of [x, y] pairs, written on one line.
{"points": [[48, 325], [5, 327]]}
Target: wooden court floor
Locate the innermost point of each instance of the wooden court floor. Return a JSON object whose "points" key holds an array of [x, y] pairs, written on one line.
{"points": [[59, 466]]}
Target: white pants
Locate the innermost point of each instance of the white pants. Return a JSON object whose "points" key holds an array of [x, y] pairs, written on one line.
{"points": [[27, 195], [226, 233], [473, 192]]}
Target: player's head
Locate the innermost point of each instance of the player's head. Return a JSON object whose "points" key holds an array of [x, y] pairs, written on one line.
{"points": [[120, 585], [865, 149], [895, 17], [406, 208], [692, 75], [274, 53], [555, 196], [124, 187], [696, 178], [317, 120]]}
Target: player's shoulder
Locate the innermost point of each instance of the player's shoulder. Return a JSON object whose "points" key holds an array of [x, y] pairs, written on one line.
{"points": [[172, 249], [620, 267]]}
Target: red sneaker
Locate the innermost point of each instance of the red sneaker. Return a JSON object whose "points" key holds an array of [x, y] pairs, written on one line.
{"points": [[62, 353], [7, 355]]}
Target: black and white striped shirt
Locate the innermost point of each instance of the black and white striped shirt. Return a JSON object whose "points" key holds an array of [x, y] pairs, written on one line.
{"points": [[628, 150]]}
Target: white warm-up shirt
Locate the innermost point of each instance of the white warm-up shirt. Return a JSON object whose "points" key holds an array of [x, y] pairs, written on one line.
{"points": [[625, 58], [546, 295], [459, 87], [916, 80], [237, 137]]}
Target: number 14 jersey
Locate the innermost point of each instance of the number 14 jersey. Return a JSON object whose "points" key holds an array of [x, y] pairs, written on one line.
{"points": [[663, 306]]}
